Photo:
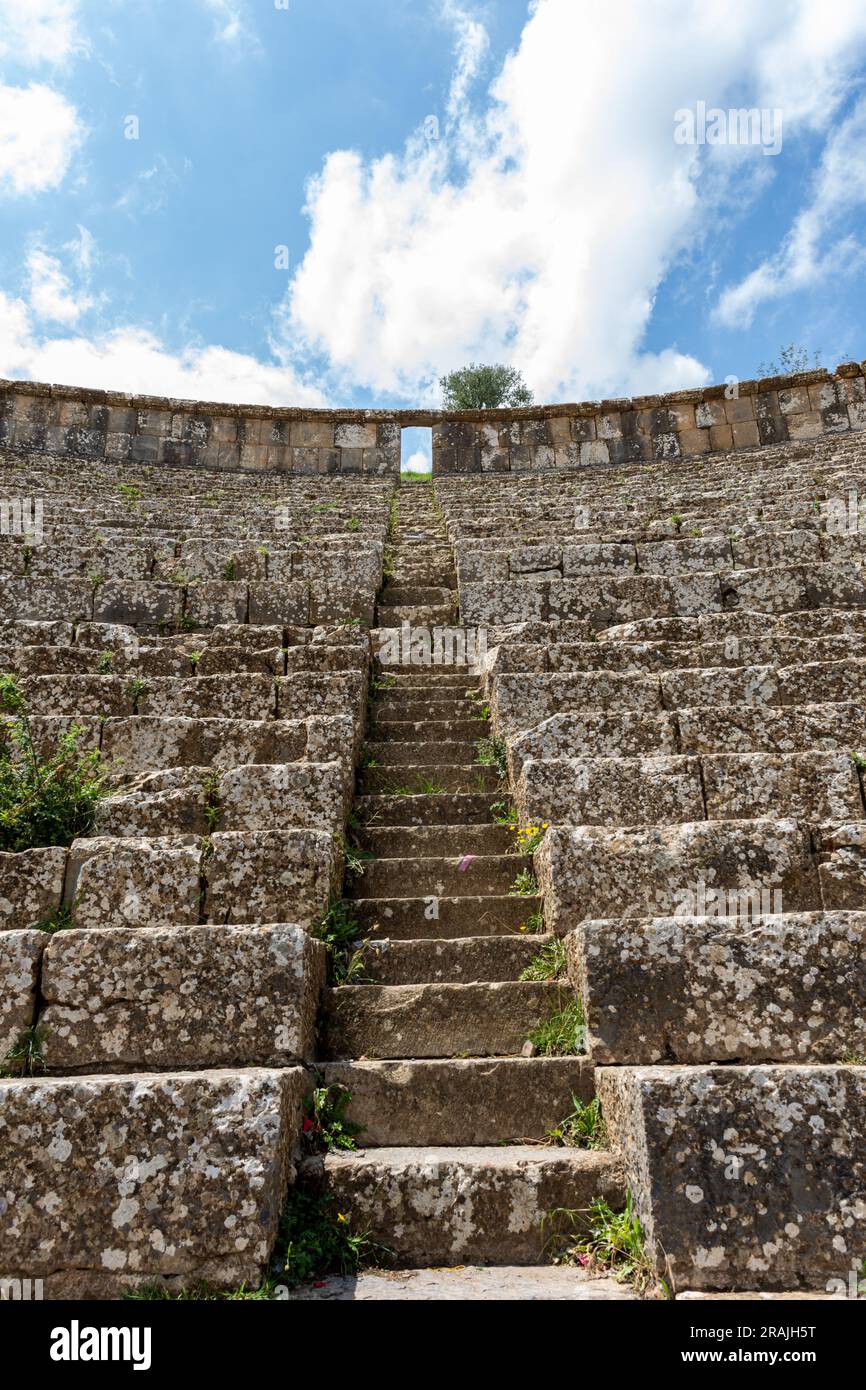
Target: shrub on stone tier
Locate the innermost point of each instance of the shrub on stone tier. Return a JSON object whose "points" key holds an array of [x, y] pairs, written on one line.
{"points": [[43, 800]]}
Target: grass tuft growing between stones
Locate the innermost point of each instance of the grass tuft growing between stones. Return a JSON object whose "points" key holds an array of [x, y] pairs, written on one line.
{"points": [[346, 946], [60, 920], [584, 1128], [316, 1240], [326, 1128], [43, 801], [551, 963], [604, 1241], [25, 1056], [562, 1033]]}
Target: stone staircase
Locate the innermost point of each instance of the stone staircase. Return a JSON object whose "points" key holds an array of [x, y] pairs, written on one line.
{"points": [[431, 1052]]}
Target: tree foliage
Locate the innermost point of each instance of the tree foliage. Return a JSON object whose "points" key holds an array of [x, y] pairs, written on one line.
{"points": [[479, 387]]}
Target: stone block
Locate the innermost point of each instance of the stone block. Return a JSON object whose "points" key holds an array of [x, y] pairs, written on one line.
{"points": [[133, 882], [31, 886], [270, 876]]}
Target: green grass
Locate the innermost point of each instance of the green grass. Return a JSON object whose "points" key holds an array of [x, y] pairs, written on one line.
{"points": [[524, 885], [550, 963], [562, 1033], [533, 924], [492, 752], [326, 1128], [43, 801], [342, 937], [604, 1241], [584, 1128], [316, 1239], [60, 920], [24, 1057]]}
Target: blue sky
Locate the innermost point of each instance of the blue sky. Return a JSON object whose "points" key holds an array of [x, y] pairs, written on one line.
{"points": [[452, 181]]}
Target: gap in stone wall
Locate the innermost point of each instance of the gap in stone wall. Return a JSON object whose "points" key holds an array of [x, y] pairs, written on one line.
{"points": [[416, 450]]}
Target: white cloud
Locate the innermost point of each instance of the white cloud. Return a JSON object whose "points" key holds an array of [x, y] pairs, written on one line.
{"points": [[809, 254], [39, 132], [33, 32], [539, 228], [134, 359], [231, 26], [51, 295]]}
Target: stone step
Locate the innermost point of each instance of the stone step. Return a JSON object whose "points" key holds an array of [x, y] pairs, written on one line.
{"points": [[428, 730], [482, 874], [744, 1177], [465, 960], [426, 678], [461, 1101], [419, 615], [434, 841], [471, 779], [455, 808], [401, 595], [408, 754], [427, 1020], [455, 1206], [502, 1284], [417, 919], [414, 705]]}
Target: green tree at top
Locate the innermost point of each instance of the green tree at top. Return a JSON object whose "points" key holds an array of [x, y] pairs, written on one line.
{"points": [[477, 387]]}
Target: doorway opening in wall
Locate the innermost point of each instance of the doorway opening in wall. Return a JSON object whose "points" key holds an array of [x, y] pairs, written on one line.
{"points": [[416, 455]]}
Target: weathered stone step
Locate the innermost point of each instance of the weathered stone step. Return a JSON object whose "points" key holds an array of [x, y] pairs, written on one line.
{"points": [[401, 595], [426, 678], [485, 873], [475, 779], [453, 1206], [461, 1100], [744, 1177], [500, 1284], [409, 754], [465, 960], [416, 919], [455, 808], [434, 841], [421, 705], [428, 1020], [421, 615], [428, 730]]}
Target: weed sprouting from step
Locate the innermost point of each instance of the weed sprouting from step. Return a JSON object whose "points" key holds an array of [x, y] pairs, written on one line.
{"points": [[316, 1239], [380, 682], [428, 787], [201, 1292], [43, 801], [25, 1056], [230, 569], [60, 920], [524, 885], [346, 948], [133, 692], [105, 664], [550, 964], [563, 1032], [533, 924], [584, 1128], [529, 837], [503, 814], [353, 524], [853, 1059], [354, 860], [859, 761], [493, 752], [212, 803], [326, 1127], [604, 1241]]}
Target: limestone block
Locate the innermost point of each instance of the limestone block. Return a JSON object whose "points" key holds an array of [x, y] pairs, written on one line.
{"points": [[813, 785], [610, 599], [146, 743], [181, 996], [517, 601], [20, 954], [753, 729], [721, 686], [520, 702], [270, 876], [688, 556], [744, 1177], [742, 987], [598, 872], [137, 602], [71, 695], [592, 558], [610, 791], [280, 603], [283, 796], [133, 882], [31, 886], [247, 696], [307, 693], [114, 1182]]}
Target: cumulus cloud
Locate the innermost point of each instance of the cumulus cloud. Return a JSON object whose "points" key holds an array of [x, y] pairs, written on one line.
{"points": [[539, 227], [36, 32], [39, 133], [51, 294], [231, 25], [814, 247], [134, 359]]}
